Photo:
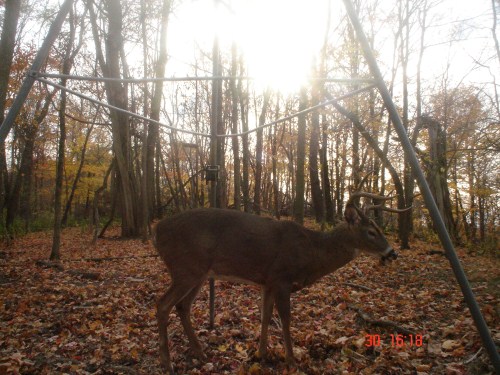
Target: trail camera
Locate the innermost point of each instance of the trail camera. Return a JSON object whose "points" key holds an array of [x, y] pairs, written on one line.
{"points": [[212, 172]]}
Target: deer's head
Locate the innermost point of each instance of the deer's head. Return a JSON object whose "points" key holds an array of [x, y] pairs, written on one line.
{"points": [[370, 237]]}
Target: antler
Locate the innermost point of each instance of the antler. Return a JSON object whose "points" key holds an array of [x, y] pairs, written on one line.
{"points": [[359, 194]]}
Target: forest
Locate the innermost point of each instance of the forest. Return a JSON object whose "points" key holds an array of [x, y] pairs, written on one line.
{"points": [[138, 110]]}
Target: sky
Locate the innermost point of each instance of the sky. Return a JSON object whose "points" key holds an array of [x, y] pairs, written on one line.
{"points": [[280, 38]]}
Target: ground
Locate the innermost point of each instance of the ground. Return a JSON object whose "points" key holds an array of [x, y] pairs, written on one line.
{"points": [[94, 313]]}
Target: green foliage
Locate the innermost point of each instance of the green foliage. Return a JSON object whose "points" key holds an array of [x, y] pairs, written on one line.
{"points": [[43, 221], [489, 247]]}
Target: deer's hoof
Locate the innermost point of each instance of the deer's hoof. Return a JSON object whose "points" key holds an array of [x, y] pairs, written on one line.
{"points": [[199, 355], [290, 362], [167, 366], [261, 354]]}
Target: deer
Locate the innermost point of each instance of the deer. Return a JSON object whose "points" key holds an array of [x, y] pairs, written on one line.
{"points": [[280, 256]]}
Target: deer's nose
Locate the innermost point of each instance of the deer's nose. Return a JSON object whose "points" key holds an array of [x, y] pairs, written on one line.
{"points": [[390, 255]]}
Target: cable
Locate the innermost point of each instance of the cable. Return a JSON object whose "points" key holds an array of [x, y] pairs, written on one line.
{"points": [[183, 79], [283, 119]]}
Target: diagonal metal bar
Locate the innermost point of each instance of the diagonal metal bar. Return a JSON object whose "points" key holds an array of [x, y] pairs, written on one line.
{"points": [[39, 60], [426, 192]]}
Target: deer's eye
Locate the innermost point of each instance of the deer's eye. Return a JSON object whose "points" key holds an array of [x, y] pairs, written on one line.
{"points": [[371, 233]]}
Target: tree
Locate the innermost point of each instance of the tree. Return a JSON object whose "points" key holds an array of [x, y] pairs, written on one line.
{"points": [[258, 154], [234, 129], [67, 62], [117, 96], [153, 138], [316, 192], [298, 205], [437, 173], [7, 45]]}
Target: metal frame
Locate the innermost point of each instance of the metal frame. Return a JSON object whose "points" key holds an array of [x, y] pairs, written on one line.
{"points": [[425, 190], [140, 117], [54, 30]]}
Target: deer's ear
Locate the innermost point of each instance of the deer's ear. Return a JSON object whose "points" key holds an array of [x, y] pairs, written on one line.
{"points": [[351, 215]]}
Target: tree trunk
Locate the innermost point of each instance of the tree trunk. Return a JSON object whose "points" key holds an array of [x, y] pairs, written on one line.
{"points": [[316, 192], [258, 155], [22, 181], [298, 207], [437, 175], [66, 69], [372, 142], [7, 44], [117, 96], [274, 155], [235, 140], [245, 182], [64, 219], [152, 169]]}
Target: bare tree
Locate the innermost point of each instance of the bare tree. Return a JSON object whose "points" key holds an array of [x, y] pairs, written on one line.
{"points": [[7, 44], [258, 154], [298, 207]]}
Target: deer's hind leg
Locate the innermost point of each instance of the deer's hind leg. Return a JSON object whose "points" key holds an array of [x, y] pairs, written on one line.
{"points": [[267, 313], [283, 307], [184, 310], [175, 293]]}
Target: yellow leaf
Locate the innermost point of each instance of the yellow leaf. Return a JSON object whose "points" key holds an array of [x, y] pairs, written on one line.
{"points": [[423, 368], [450, 344], [222, 348], [134, 354], [255, 369], [359, 343], [96, 324], [341, 340]]}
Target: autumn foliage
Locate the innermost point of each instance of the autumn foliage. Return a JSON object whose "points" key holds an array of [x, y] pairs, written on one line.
{"points": [[95, 313]]}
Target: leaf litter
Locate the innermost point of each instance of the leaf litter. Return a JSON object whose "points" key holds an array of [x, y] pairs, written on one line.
{"points": [[95, 313]]}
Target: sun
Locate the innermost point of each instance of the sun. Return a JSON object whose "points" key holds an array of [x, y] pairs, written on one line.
{"points": [[279, 39]]}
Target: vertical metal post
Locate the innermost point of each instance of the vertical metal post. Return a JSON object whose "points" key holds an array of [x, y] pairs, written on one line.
{"points": [[39, 60], [214, 143], [426, 192]]}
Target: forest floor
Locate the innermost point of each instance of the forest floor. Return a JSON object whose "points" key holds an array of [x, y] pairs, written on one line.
{"points": [[97, 316]]}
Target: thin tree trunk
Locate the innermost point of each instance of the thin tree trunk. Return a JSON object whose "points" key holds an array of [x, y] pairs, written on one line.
{"points": [[69, 202], [274, 152], [117, 96], [153, 170], [95, 205], [7, 45], [437, 175], [380, 153], [298, 209], [258, 155], [405, 222], [235, 140], [66, 69], [245, 182], [145, 197], [316, 192]]}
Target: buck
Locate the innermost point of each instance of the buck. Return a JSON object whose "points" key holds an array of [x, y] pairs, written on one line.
{"points": [[279, 256]]}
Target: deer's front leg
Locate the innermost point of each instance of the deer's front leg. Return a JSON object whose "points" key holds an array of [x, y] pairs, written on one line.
{"points": [[283, 305], [267, 312]]}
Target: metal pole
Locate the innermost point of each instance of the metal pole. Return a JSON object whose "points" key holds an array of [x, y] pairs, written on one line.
{"points": [[426, 192], [39, 60], [214, 143]]}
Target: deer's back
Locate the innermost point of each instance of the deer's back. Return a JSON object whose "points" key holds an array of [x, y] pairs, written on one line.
{"points": [[232, 244]]}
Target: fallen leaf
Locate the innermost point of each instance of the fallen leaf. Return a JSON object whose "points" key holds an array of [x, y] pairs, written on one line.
{"points": [[450, 345]]}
